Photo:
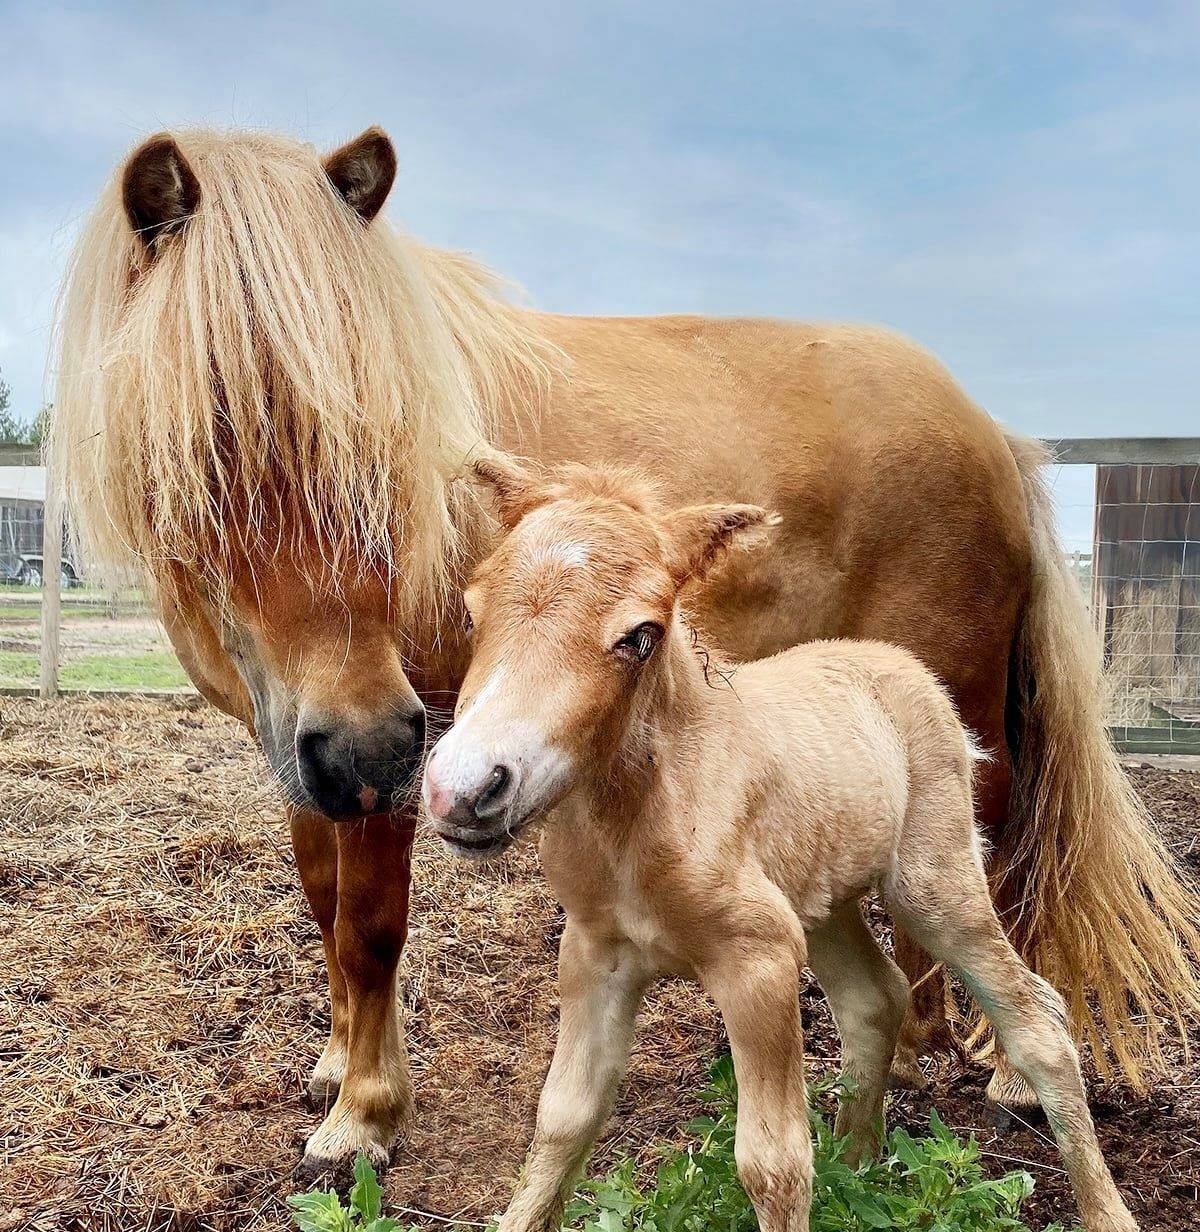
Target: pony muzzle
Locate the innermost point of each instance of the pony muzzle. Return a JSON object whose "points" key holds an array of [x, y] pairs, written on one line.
{"points": [[348, 771]]}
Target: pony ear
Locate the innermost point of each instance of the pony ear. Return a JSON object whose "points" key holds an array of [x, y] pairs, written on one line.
{"points": [[159, 190], [698, 536], [515, 491], [362, 171]]}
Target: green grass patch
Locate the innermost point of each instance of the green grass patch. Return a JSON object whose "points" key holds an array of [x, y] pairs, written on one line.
{"points": [[33, 611], [154, 669], [18, 667], [934, 1183]]}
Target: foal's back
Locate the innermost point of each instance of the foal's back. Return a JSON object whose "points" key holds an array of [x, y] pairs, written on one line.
{"points": [[857, 733]]}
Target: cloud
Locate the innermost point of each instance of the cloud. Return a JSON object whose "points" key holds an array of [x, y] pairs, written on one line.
{"points": [[1013, 185]]}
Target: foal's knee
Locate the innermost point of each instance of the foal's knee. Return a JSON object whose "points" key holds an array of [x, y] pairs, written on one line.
{"points": [[1039, 1045], [882, 1006], [775, 1169], [898, 997], [1044, 1054]]}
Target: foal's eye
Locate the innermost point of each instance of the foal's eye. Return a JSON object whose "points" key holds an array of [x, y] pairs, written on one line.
{"points": [[468, 622], [638, 644]]}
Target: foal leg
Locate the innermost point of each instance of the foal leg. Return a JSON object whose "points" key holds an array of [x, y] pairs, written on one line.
{"points": [[374, 858], [314, 845], [757, 989], [925, 1031], [868, 994], [600, 989], [1010, 1098], [993, 786], [946, 904]]}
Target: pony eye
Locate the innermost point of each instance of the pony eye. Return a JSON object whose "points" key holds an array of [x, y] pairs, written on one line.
{"points": [[468, 622], [638, 644]]}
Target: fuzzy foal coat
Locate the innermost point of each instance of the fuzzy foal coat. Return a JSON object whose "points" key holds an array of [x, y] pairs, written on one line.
{"points": [[723, 825]]}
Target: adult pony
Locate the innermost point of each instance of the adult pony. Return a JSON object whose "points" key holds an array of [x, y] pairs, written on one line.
{"points": [[265, 396]]}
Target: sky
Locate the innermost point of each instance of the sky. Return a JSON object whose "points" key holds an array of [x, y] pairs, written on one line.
{"points": [[1014, 185]]}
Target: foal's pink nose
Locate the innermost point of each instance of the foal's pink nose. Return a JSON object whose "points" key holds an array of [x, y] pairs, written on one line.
{"points": [[439, 800], [471, 804]]}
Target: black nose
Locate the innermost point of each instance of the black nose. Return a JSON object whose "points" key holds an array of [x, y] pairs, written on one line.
{"points": [[477, 805], [491, 798], [348, 771], [416, 728]]}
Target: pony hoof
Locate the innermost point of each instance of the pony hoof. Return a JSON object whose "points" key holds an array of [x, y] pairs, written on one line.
{"points": [[1011, 1118], [328, 1172], [1011, 1103], [341, 1138], [312, 1171]]}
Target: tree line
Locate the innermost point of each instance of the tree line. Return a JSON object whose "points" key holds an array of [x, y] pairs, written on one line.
{"points": [[14, 431]]}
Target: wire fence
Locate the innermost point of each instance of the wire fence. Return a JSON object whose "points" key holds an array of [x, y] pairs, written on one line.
{"points": [[60, 629], [1131, 529], [1131, 532]]}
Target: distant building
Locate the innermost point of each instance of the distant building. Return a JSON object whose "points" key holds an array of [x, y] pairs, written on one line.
{"points": [[22, 512]]}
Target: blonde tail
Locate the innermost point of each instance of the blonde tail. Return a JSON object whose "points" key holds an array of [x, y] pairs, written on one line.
{"points": [[1103, 910]]}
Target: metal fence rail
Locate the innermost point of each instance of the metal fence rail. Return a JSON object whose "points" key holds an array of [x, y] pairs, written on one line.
{"points": [[58, 626]]}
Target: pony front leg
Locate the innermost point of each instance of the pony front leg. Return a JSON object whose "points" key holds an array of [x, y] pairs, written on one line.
{"points": [[600, 989], [314, 845], [374, 861], [757, 990]]}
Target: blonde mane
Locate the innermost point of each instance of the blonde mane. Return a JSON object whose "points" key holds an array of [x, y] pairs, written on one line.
{"points": [[276, 377]]}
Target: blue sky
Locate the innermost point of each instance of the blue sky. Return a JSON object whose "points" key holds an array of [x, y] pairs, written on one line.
{"points": [[1014, 185]]}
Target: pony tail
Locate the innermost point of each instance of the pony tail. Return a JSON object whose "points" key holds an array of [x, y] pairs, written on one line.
{"points": [[1105, 912]]}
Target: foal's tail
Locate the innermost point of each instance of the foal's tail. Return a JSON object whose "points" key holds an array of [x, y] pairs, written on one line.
{"points": [[1103, 910]]}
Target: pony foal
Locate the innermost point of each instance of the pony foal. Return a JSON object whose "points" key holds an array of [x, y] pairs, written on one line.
{"points": [[722, 825]]}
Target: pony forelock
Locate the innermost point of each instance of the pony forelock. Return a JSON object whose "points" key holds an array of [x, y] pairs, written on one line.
{"points": [[278, 377]]}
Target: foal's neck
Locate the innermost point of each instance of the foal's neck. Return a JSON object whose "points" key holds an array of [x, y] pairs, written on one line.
{"points": [[679, 712]]}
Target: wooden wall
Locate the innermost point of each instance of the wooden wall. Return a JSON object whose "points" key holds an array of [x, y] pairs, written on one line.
{"points": [[1146, 575]]}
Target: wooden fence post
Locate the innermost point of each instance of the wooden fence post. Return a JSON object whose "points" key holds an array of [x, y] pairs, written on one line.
{"points": [[52, 537]]}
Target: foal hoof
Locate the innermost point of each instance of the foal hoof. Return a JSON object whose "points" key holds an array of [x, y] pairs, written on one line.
{"points": [[907, 1075], [1011, 1118]]}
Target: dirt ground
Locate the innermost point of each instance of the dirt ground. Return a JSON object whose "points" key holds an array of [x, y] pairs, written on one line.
{"points": [[84, 631], [162, 999]]}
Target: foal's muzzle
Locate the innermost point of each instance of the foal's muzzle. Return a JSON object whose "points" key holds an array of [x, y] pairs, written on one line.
{"points": [[473, 818], [349, 771]]}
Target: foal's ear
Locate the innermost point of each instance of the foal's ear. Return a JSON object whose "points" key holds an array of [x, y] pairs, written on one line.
{"points": [[515, 491], [698, 536], [362, 171], [158, 188]]}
